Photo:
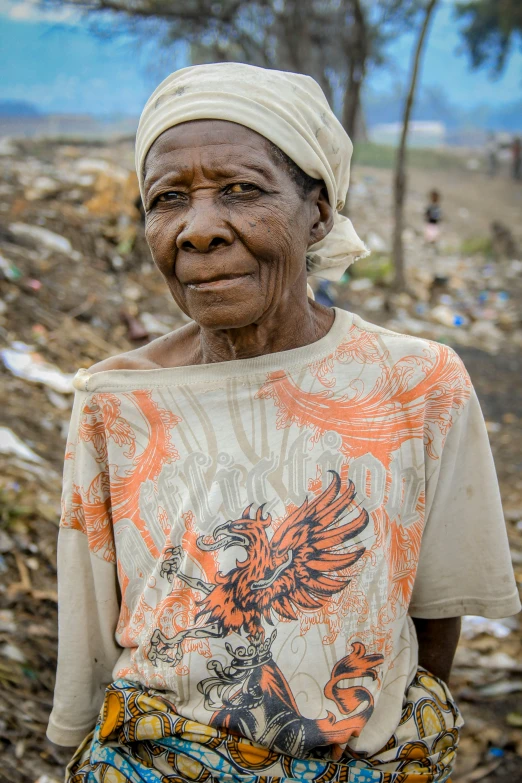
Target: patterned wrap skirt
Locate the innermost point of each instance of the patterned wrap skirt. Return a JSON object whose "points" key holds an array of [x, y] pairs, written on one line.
{"points": [[139, 738]]}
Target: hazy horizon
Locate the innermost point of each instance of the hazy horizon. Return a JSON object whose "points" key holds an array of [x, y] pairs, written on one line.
{"points": [[53, 61]]}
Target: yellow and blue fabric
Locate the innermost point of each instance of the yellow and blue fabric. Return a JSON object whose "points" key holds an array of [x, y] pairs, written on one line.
{"points": [[140, 738]]}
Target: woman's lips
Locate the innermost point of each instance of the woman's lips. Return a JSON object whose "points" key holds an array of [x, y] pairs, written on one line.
{"points": [[218, 283]]}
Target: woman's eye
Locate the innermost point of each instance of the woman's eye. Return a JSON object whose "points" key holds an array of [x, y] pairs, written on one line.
{"points": [[241, 187], [171, 195]]}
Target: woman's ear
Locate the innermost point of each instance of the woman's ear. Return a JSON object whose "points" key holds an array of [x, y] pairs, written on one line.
{"points": [[323, 216]]}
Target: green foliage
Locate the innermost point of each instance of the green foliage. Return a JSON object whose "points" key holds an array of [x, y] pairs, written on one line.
{"points": [[491, 27], [366, 153], [378, 267], [476, 246]]}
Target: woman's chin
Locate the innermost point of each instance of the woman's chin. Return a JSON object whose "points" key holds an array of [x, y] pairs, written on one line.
{"points": [[228, 308], [225, 317]]}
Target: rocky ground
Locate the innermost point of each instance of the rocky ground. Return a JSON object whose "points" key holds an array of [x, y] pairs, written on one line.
{"points": [[77, 284]]}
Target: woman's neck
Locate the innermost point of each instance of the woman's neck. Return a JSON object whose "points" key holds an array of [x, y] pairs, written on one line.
{"points": [[281, 331]]}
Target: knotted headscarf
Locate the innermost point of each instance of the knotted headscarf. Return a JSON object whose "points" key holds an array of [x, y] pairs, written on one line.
{"points": [[290, 110]]}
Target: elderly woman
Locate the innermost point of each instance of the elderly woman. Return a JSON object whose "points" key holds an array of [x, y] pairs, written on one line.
{"points": [[274, 517]]}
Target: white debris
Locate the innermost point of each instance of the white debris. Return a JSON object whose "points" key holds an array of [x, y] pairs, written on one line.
{"points": [[473, 626], [60, 402], [23, 363], [375, 303], [499, 660], [12, 652], [42, 236], [501, 688], [155, 325], [132, 292], [41, 188], [443, 314], [361, 284], [100, 166], [487, 336], [376, 242], [7, 621], [8, 270], [6, 542], [11, 444]]}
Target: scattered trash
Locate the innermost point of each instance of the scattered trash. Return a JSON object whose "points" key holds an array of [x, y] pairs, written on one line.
{"points": [[9, 270], [136, 332], [376, 243], [77, 260], [496, 753], [43, 237], [7, 621], [375, 303], [499, 660], [63, 220], [514, 719], [361, 284], [6, 542], [473, 626], [154, 324], [11, 444], [132, 292], [58, 400], [501, 688], [12, 652], [23, 362], [444, 315], [42, 188]]}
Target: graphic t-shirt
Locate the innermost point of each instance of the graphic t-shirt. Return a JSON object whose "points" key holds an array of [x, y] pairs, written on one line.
{"points": [[252, 537]]}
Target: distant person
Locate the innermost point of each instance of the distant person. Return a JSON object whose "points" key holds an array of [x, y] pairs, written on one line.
{"points": [[492, 155], [432, 216], [516, 151]]}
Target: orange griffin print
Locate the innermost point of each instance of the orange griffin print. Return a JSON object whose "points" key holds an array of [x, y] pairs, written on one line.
{"points": [[297, 570]]}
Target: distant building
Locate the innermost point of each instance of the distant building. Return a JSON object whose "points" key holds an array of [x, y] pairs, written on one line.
{"points": [[420, 134]]}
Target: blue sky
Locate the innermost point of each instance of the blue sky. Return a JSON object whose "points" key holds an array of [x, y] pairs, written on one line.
{"points": [[54, 61]]}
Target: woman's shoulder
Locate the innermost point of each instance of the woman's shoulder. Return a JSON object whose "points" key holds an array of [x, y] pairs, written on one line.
{"points": [[170, 350], [399, 349], [400, 342]]}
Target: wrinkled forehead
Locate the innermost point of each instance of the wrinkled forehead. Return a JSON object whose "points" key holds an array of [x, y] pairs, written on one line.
{"points": [[216, 142], [207, 133]]}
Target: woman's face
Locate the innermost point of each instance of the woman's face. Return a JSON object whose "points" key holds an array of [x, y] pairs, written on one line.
{"points": [[227, 226]]}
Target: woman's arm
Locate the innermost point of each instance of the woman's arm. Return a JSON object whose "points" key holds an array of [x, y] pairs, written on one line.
{"points": [[438, 641]]}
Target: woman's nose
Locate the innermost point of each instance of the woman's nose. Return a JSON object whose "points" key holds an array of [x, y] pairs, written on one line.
{"points": [[204, 232]]}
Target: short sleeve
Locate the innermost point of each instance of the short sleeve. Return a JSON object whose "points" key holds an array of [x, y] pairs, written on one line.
{"points": [[88, 597], [465, 564]]}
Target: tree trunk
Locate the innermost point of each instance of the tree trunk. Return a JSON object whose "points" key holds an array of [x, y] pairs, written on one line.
{"points": [[357, 57], [399, 190]]}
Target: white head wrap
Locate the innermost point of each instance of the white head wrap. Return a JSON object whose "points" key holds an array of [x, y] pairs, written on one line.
{"points": [[288, 109]]}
